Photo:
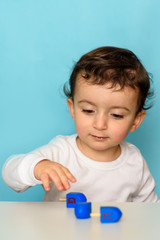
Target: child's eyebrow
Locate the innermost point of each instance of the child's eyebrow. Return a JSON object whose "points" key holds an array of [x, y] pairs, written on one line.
{"points": [[120, 107], [112, 107], [86, 101]]}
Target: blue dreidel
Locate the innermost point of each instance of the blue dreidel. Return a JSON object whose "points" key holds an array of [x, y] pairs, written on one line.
{"points": [[83, 210], [73, 198], [107, 214], [110, 214]]}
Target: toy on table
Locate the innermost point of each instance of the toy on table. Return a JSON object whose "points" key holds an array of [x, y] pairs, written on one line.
{"points": [[73, 198], [107, 214]]}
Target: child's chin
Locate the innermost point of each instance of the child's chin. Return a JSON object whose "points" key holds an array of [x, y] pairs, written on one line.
{"points": [[99, 147]]}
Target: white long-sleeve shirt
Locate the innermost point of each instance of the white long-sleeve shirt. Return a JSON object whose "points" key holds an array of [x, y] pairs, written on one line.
{"points": [[126, 179]]}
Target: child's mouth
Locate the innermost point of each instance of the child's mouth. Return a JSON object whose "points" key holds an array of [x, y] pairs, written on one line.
{"points": [[99, 138]]}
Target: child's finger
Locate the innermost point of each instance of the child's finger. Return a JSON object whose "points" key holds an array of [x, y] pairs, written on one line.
{"points": [[65, 175], [69, 175], [45, 181], [56, 179], [65, 182]]}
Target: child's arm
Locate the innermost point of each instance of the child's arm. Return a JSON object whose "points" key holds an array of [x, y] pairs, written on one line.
{"points": [[48, 171], [48, 163], [23, 171]]}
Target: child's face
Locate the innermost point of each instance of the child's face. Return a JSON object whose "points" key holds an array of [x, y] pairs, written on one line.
{"points": [[103, 116]]}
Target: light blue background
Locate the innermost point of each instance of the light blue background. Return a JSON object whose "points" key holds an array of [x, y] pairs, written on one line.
{"points": [[39, 42]]}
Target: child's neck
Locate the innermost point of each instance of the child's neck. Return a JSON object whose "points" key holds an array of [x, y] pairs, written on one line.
{"points": [[108, 155]]}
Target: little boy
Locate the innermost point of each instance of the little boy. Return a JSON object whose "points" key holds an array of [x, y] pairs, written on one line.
{"points": [[107, 96]]}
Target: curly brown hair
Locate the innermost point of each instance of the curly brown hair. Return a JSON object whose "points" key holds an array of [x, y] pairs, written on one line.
{"points": [[116, 66]]}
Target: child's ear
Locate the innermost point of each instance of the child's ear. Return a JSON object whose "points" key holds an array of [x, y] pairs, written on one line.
{"points": [[137, 121], [71, 107]]}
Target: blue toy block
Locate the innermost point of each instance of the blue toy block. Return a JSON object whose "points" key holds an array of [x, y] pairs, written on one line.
{"points": [[110, 214], [83, 210], [73, 198]]}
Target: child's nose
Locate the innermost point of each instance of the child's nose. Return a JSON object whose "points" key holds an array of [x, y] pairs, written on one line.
{"points": [[100, 122]]}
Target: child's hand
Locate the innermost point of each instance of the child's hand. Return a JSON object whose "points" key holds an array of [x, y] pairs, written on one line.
{"points": [[48, 171]]}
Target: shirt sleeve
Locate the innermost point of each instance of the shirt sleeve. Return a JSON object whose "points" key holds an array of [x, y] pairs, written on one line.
{"points": [[18, 170], [145, 192]]}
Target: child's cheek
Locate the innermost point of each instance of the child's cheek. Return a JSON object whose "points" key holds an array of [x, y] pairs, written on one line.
{"points": [[80, 125], [121, 133]]}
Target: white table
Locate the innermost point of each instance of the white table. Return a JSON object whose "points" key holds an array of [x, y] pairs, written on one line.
{"points": [[53, 221]]}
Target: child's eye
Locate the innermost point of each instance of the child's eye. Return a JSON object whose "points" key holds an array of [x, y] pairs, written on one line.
{"points": [[118, 116], [87, 111]]}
